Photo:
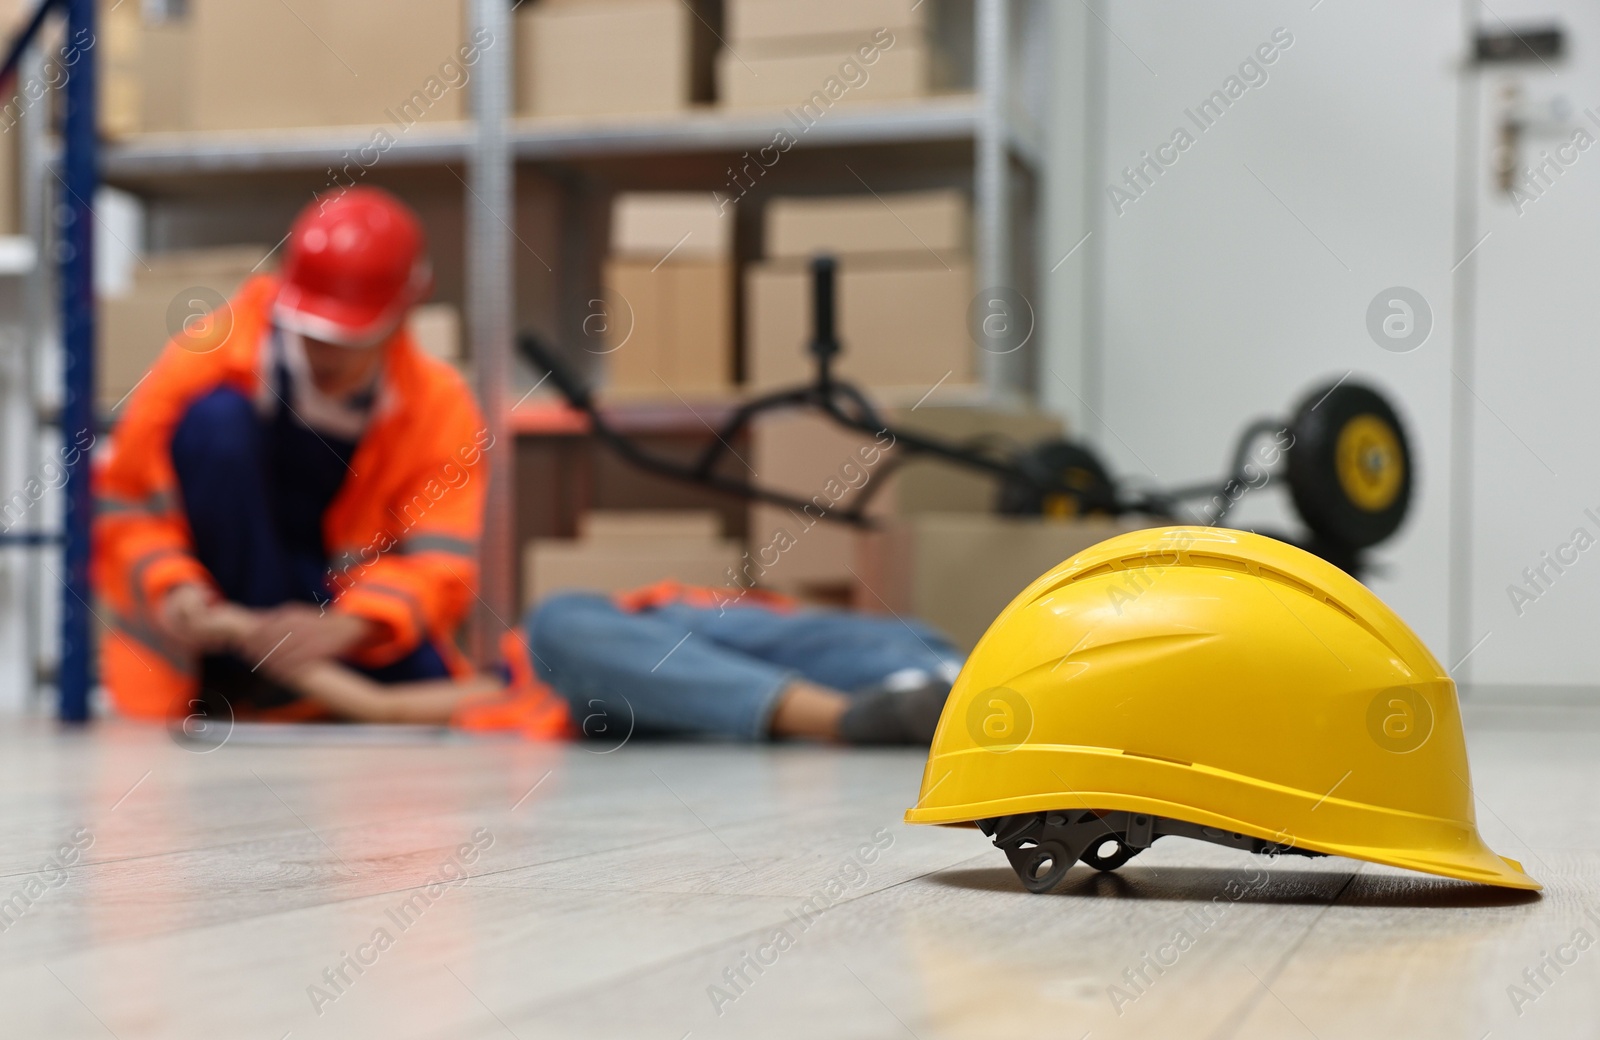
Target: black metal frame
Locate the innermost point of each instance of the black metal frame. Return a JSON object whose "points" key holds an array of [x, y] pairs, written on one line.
{"points": [[846, 405]]}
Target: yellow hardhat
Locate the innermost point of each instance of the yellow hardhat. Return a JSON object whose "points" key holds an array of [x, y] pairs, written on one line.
{"points": [[1213, 684]]}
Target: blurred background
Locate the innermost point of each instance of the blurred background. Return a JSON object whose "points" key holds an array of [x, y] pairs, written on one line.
{"points": [[1136, 227]]}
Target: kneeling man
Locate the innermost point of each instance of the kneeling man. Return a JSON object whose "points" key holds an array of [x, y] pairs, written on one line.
{"points": [[294, 487]]}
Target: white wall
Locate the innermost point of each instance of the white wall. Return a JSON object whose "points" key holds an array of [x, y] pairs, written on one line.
{"points": [[1244, 274], [1535, 423]]}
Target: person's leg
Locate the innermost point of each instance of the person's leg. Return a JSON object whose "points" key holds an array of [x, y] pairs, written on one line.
{"points": [[616, 665], [230, 480], [218, 457], [895, 673], [841, 649]]}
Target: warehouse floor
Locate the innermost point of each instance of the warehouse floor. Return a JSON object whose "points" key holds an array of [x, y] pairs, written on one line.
{"points": [[282, 891]]}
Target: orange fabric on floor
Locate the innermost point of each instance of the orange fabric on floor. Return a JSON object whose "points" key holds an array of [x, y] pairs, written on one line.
{"points": [[663, 593], [527, 706]]}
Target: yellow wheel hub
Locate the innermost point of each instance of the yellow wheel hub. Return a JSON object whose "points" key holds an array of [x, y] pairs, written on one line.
{"points": [[1370, 465]]}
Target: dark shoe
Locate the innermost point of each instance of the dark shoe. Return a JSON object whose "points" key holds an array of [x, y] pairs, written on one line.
{"points": [[895, 715]]}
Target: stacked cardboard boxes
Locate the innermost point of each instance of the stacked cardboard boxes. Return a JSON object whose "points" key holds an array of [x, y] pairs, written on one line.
{"points": [[610, 57], [616, 551], [905, 286], [808, 55], [146, 75], [806, 553], [330, 63], [172, 293], [668, 301], [814, 459], [225, 65], [958, 571]]}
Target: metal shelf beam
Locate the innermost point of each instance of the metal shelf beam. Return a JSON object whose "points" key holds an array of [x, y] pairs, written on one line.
{"points": [[310, 148], [954, 118]]}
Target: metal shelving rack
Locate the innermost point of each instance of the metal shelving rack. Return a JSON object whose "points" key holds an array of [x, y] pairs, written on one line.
{"points": [[1004, 138]]}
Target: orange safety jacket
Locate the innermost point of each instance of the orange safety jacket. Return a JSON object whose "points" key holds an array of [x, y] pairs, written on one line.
{"points": [[402, 532]]}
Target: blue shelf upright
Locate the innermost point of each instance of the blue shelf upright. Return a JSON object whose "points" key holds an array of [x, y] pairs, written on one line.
{"points": [[78, 176], [75, 242]]}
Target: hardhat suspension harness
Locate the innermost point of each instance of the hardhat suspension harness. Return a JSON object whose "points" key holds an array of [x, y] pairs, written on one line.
{"points": [[1349, 468], [1043, 846]]}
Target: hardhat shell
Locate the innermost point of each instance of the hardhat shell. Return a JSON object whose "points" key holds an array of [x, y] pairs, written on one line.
{"points": [[354, 265], [1221, 678]]}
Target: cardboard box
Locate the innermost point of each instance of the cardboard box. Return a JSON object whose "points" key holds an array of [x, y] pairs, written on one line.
{"points": [[553, 566], [914, 223], [903, 323], [931, 485], [787, 21], [686, 225], [616, 57], [675, 334], [958, 571], [330, 63], [619, 551], [212, 262], [814, 458], [146, 70], [176, 288], [119, 39], [695, 526], [166, 77], [811, 83], [437, 329]]}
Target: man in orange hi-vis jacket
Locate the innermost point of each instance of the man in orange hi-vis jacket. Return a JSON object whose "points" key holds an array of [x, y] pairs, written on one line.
{"points": [[294, 484]]}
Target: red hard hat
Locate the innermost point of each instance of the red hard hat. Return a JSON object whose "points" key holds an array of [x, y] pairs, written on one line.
{"points": [[355, 264]]}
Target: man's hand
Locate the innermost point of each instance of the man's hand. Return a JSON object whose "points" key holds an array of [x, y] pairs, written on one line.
{"points": [[193, 617], [287, 638]]}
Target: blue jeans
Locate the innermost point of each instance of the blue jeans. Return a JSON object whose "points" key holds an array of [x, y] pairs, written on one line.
{"points": [[679, 669], [254, 492]]}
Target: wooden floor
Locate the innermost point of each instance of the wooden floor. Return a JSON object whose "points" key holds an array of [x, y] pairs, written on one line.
{"points": [[670, 891]]}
